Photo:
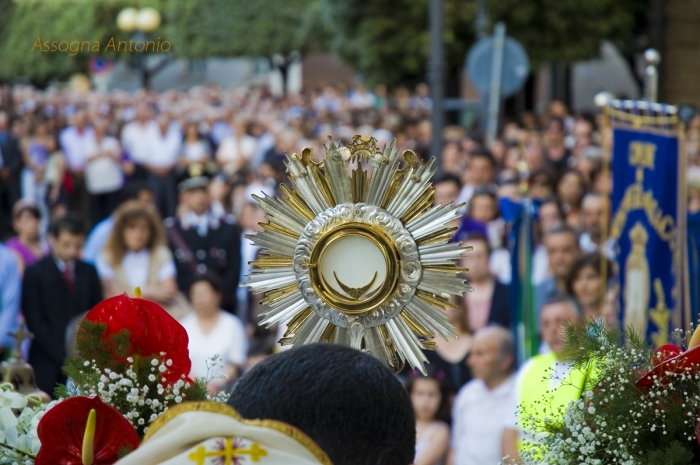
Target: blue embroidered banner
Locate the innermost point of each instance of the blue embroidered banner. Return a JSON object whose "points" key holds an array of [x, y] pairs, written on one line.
{"points": [[644, 224]]}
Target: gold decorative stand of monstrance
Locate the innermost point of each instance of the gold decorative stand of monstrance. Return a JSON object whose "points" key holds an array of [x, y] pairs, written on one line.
{"points": [[18, 372], [359, 259]]}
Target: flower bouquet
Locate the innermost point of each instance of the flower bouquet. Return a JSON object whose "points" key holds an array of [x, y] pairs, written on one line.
{"points": [[641, 408], [19, 418], [131, 364], [134, 355]]}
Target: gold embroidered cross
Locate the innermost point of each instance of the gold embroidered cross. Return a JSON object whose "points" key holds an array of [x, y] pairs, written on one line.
{"points": [[228, 453]]}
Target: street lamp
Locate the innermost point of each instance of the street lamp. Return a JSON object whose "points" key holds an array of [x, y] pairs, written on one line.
{"points": [[652, 58], [127, 18], [140, 24], [603, 99]]}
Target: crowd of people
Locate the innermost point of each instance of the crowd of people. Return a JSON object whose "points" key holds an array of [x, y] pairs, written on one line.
{"points": [[103, 193]]}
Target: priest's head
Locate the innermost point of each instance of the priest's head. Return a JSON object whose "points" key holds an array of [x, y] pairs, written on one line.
{"points": [[348, 402]]}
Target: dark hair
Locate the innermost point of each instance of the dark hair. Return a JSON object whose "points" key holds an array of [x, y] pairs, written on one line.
{"points": [[560, 211], [259, 347], [23, 206], [556, 119], [592, 260], [448, 177], [480, 238], [553, 200], [550, 177], [561, 298], [347, 401], [485, 192], [212, 279], [562, 229], [133, 190], [443, 412], [71, 223], [484, 154], [575, 173]]}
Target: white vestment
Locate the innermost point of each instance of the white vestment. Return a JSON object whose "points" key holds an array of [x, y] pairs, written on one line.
{"points": [[207, 433]]}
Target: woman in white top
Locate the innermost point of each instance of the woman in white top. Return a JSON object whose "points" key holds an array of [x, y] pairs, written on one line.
{"points": [[194, 149], [104, 176], [136, 255], [431, 406], [213, 332]]}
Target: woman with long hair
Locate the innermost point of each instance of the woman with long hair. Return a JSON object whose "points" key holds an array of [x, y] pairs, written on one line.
{"points": [[195, 149], [586, 286], [431, 405], [450, 356], [136, 254], [570, 190]]}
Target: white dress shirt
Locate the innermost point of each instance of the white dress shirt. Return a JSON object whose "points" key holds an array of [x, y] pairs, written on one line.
{"points": [[103, 174], [165, 148], [478, 420], [587, 245], [73, 144], [137, 140]]}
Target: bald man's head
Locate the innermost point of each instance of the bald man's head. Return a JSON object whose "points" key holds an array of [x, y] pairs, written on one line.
{"points": [[492, 355]]}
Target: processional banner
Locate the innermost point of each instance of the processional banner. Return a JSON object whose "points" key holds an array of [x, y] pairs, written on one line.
{"points": [[648, 217]]}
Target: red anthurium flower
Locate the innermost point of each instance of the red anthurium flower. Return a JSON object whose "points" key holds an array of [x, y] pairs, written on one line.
{"points": [[665, 352], [62, 432], [671, 359], [151, 331]]}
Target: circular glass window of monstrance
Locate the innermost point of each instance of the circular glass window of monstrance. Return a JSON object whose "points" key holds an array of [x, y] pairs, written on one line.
{"points": [[354, 268]]}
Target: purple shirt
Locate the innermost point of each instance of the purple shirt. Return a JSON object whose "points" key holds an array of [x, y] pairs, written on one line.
{"points": [[25, 252]]}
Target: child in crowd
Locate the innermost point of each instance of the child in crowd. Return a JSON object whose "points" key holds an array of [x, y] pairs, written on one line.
{"points": [[431, 404]]}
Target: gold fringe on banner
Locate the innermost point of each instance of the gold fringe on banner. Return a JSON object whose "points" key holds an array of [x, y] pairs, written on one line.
{"points": [[639, 121]]}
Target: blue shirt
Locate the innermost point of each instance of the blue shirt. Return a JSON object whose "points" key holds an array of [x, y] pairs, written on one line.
{"points": [[10, 292], [97, 240]]}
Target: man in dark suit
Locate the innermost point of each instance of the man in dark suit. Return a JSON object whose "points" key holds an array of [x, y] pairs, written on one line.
{"points": [[202, 240], [10, 171], [56, 289]]}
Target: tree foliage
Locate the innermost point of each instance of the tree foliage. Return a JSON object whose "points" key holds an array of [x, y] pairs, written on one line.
{"points": [[244, 28], [22, 22], [564, 30], [388, 42]]}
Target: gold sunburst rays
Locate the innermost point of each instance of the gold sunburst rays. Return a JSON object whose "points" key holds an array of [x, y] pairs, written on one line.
{"points": [[392, 211]]}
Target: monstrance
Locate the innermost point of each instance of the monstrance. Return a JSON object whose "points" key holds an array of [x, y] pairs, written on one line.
{"points": [[358, 259]]}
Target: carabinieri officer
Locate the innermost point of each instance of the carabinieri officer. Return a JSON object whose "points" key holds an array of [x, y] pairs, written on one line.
{"points": [[201, 240]]}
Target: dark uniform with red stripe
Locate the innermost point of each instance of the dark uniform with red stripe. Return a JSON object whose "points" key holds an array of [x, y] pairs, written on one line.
{"points": [[218, 251]]}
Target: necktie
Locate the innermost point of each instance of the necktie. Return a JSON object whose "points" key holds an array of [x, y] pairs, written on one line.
{"points": [[69, 279]]}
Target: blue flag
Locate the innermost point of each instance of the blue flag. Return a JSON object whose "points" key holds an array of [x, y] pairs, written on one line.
{"points": [[644, 224]]}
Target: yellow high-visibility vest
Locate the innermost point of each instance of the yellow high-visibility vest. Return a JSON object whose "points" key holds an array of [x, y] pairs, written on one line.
{"points": [[537, 395]]}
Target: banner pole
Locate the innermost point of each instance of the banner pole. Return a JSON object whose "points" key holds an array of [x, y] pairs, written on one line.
{"points": [[605, 174], [683, 222]]}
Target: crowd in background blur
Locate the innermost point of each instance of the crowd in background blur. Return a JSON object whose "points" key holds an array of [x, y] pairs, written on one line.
{"points": [[109, 168]]}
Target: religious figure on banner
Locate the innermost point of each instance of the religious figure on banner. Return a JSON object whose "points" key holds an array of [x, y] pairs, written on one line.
{"points": [[637, 284], [660, 315]]}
